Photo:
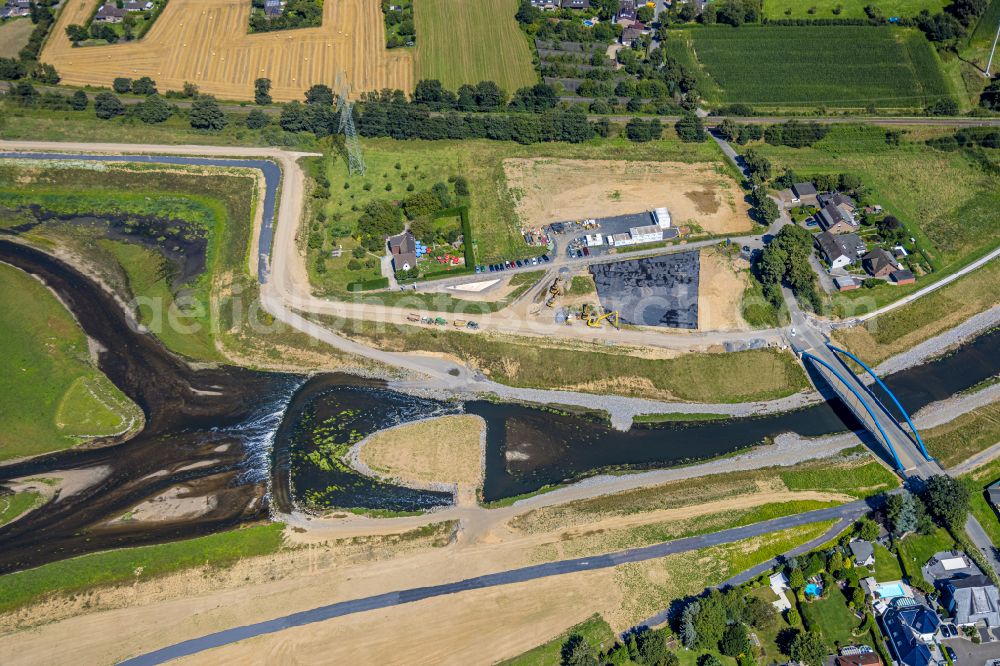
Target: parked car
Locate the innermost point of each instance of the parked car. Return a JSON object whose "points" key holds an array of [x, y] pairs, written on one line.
{"points": [[946, 631], [479, 269], [519, 263], [534, 261], [586, 252], [951, 653], [545, 258], [492, 268]]}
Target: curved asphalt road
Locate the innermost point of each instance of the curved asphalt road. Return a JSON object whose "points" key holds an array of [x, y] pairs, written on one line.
{"points": [[843, 513]]}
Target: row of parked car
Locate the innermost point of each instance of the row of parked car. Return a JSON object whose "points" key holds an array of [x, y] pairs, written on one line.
{"points": [[510, 265]]}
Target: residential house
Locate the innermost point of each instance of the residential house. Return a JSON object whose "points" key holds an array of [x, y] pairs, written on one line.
{"points": [[863, 552], [626, 10], [15, 8], [273, 8], [879, 263], [576, 4], [109, 13], [902, 277], [966, 593], [841, 250], [910, 628], [633, 32], [804, 193], [837, 219], [403, 249], [837, 199], [971, 600], [133, 6]]}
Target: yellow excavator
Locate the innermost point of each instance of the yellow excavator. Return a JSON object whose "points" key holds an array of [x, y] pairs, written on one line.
{"points": [[555, 291], [596, 315]]}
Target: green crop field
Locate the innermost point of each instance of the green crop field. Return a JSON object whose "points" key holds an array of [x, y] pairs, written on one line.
{"points": [[52, 395], [793, 9], [986, 27], [833, 66], [467, 42]]}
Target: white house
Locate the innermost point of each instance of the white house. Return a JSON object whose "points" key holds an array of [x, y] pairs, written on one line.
{"points": [[594, 240], [621, 240]]}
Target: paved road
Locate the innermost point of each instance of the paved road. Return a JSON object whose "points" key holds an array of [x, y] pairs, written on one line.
{"points": [[753, 572], [844, 512], [978, 263]]}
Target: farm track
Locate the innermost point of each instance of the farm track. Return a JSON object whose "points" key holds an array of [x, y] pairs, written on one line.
{"points": [[206, 41]]}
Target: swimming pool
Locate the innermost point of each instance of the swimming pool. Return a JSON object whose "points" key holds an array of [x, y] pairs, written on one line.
{"points": [[890, 590], [813, 590]]}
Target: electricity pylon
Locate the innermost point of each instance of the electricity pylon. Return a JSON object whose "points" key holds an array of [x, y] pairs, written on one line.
{"points": [[355, 160]]}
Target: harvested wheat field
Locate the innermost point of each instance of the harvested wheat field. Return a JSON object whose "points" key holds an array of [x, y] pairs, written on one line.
{"points": [[439, 450], [206, 42], [721, 283], [552, 190]]}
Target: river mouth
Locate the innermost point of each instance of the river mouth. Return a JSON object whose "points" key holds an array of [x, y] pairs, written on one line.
{"points": [[202, 429]]}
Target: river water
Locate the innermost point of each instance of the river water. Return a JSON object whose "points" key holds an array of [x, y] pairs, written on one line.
{"points": [[244, 439]]}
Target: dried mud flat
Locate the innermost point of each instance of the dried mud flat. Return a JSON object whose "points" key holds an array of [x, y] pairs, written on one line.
{"points": [[553, 190], [206, 41]]}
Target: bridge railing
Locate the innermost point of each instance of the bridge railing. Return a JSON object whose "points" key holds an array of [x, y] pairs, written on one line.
{"points": [[861, 400], [916, 434]]}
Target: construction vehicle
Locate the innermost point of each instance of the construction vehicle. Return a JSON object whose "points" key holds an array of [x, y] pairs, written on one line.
{"points": [[440, 321], [459, 323], [426, 320], [557, 289], [412, 317], [596, 314], [472, 326]]}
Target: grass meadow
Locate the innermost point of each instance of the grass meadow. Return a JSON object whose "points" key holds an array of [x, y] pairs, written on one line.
{"points": [[461, 42], [121, 566], [965, 436], [812, 66], [779, 9], [978, 480], [53, 396], [760, 374], [14, 34], [13, 505], [492, 211], [594, 629]]}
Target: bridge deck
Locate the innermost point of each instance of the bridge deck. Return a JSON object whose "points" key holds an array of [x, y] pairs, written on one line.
{"points": [[897, 445]]}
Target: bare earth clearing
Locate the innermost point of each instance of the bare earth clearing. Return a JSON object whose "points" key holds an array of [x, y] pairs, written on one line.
{"points": [[553, 190], [721, 283], [206, 41]]}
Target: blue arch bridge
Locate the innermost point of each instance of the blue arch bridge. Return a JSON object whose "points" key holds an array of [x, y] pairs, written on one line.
{"points": [[899, 445]]}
